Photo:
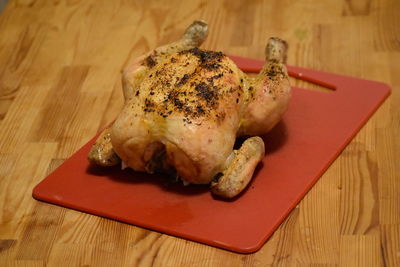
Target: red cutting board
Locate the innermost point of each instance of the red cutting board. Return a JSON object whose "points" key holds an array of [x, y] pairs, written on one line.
{"points": [[316, 128]]}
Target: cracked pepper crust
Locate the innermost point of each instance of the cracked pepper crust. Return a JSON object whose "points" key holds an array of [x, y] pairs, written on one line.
{"points": [[193, 83]]}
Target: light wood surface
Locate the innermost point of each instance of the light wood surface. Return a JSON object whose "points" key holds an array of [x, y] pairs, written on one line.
{"points": [[60, 65]]}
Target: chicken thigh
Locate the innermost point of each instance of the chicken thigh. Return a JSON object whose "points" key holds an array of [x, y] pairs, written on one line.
{"points": [[184, 108]]}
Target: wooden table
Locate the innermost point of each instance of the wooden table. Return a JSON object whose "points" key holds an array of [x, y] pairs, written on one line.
{"points": [[60, 65]]}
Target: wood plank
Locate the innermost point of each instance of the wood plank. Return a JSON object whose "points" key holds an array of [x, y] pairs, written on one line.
{"points": [[360, 250]]}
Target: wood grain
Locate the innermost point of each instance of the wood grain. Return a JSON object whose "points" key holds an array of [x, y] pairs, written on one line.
{"points": [[60, 65]]}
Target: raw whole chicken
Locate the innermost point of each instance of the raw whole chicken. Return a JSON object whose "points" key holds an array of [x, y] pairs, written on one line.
{"points": [[184, 108]]}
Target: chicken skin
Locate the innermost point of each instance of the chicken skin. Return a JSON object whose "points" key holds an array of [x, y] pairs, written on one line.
{"points": [[185, 107]]}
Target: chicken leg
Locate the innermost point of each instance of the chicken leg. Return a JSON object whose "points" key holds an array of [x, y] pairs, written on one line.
{"points": [[268, 94], [240, 168]]}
